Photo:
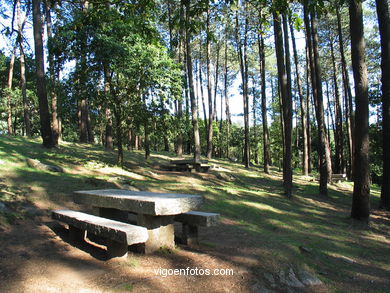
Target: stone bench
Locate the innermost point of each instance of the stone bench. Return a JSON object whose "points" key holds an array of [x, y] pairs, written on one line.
{"points": [[119, 235], [190, 223]]}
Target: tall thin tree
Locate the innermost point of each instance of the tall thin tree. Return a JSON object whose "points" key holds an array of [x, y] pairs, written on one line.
{"points": [[46, 132], [194, 108], [286, 105], [361, 190], [384, 29]]}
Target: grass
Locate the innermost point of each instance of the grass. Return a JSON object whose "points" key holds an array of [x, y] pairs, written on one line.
{"points": [[342, 250]]}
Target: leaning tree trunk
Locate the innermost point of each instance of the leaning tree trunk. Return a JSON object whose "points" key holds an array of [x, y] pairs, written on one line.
{"points": [[286, 106], [44, 114], [361, 191], [384, 29]]}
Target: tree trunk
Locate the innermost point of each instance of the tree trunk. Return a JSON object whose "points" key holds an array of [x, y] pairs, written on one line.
{"points": [[9, 96], [349, 120], [328, 158], [255, 140], [83, 68], [194, 107], [147, 139], [44, 114], [118, 118], [227, 108], [83, 121], [305, 153], [244, 76], [26, 107], [286, 105], [210, 131], [361, 191], [384, 29], [202, 92], [338, 137], [266, 143], [108, 143], [324, 161], [308, 103], [53, 92]]}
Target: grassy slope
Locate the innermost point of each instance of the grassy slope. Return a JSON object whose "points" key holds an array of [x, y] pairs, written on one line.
{"points": [[344, 252]]}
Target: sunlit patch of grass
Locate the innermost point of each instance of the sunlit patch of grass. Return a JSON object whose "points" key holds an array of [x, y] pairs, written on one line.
{"points": [[252, 204]]}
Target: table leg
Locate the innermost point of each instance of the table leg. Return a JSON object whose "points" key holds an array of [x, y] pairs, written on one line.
{"points": [[160, 229]]}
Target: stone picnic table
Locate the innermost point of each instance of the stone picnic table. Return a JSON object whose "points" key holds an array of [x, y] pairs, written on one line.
{"points": [[155, 211], [189, 165]]}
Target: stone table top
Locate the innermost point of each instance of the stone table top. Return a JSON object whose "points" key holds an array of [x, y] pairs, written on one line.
{"points": [[140, 202]]}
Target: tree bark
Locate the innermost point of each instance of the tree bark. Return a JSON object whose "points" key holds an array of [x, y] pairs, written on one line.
{"points": [[44, 114], [202, 93], [384, 29], [266, 144], [349, 119], [361, 191], [9, 95], [210, 131], [325, 142], [108, 142], [338, 137], [194, 110], [118, 119], [323, 147], [244, 76], [305, 153], [53, 92], [227, 107], [308, 98], [26, 106], [286, 105]]}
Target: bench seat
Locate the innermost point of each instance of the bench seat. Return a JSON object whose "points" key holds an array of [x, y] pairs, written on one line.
{"points": [[191, 221], [197, 218], [119, 234]]}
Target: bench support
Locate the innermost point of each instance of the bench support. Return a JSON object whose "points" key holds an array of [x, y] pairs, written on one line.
{"points": [[190, 235], [116, 249], [160, 231], [76, 234]]}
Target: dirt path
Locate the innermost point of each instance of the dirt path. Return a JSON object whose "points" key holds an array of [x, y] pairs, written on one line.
{"points": [[35, 256]]}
